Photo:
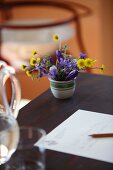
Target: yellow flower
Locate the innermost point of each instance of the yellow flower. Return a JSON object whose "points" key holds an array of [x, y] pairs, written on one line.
{"points": [[89, 62], [34, 52], [103, 68], [23, 67], [38, 60], [29, 74], [56, 37], [81, 63], [33, 61]]}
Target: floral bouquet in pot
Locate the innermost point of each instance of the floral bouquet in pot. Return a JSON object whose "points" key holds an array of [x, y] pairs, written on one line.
{"points": [[61, 70]]}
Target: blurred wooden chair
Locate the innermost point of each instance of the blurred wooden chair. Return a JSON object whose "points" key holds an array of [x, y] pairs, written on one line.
{"points": [[62, 17], [20, 32]]}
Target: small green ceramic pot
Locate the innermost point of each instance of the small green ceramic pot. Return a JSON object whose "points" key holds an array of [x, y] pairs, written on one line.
{"points": [[62, 89]]}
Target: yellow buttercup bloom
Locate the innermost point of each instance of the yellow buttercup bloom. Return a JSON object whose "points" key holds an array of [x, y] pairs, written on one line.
{"points": [[23, 67], [34, 52], [81, 63], [29, 74], [89, 62], [33, 61], [38, 60], [103, 68], [56, 37]]}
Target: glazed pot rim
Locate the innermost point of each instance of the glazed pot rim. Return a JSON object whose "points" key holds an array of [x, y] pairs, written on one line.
{"points": [[61, 81]]}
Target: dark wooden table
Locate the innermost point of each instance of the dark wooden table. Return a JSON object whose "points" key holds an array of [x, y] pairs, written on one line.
{"points": [[93, 93]]}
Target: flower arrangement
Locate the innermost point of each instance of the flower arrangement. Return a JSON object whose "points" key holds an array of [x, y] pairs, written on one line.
{"points": [[65, 67]]}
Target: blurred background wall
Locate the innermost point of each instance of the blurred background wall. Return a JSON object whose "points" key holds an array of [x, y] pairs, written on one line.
{"points": [[98, 31], [97, 35]]}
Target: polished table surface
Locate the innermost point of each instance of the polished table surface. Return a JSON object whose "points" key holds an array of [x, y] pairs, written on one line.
{"points": [[94, 93]]}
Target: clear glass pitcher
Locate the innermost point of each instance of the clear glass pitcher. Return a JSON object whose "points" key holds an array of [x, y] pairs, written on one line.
{"points": [[9, 129], [9, 107], [9, 137]]}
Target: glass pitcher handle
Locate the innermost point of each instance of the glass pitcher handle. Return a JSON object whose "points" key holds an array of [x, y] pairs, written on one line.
{"points": [[5, 73]]}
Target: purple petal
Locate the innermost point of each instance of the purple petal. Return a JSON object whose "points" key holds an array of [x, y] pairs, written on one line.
{"points": [[59, 55], [82, 55], [72, 75]]}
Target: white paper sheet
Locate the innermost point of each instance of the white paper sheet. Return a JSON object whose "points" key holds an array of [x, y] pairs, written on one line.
{"points": [[71, 136]]}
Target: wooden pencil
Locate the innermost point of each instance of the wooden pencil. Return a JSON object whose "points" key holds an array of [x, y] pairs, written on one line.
{"points": [[101, 135]]}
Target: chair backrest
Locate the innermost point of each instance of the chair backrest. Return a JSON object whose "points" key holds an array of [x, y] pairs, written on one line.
{"points": [[76, 12]]}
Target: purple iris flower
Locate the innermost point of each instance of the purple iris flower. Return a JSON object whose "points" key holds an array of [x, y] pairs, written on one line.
{"points": [[51, 60], [41, 74], [72, 75], [61, 62], [37, 67], [73, 64], [82, 55], [59, 55], [53, 72], [66, 62]]}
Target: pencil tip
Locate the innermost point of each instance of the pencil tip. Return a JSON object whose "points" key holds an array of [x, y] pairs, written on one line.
{"points": [[90, 135]]}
